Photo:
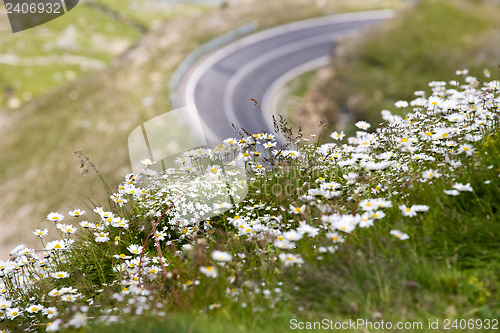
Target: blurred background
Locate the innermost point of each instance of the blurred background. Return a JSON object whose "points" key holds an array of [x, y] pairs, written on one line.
{"points": [[85, 80]]}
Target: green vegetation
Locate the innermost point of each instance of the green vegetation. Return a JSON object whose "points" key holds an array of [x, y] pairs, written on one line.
{"points": [[78, 43], [428, 41], [39, 172], [397, 225], [272, 267]]}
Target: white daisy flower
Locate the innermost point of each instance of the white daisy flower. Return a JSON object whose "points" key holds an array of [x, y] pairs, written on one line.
{"points": [[362, 125], [77, 212], [147, 162], [101, 237], [284, 243], [209, 271], [335, 237], [56, 245], [221, 256], [134, 249], [401, 104], [462, 187], [429, 174], [399, 234], [13, 313], [55, 217], [60, 275], [337, 136], [34, 308], [452, 192], [467, 149], [297, 210], [291, 259], [87, 225], [41, 233], [407, 211], [50, 312]]}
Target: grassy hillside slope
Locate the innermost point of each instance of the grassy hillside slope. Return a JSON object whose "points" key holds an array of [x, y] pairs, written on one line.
{"points": [[39, 171], [392, 230], [429, 41]]}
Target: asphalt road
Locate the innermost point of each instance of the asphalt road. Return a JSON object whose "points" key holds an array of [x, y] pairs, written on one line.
{"points": [[221, 84]]}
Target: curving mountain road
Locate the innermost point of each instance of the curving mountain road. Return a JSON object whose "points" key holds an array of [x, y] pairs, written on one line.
{"points": [[221, 84]]}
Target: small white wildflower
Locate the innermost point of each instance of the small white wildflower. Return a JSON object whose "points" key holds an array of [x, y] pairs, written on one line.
{"points": [[55, 217], [337, 136], [399, 234], [221, 256], [429, 174], [407, 211], [60, 275], [101, 237], [50, 312], [56, 245], [335, 237], [209, 271], [76, 213], [87, 225], [291, 259], [462, 187], [78, 320], [41, 233], [54, 326], [292, 235], [34, 308], [401, 104], [13, 313], [135, 249], [363, 125], [452, 192], [297, 210], [467, 149], [147, 162]]}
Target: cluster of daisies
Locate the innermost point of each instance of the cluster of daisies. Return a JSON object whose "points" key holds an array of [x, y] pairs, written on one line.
{"points": [[347, 185]]}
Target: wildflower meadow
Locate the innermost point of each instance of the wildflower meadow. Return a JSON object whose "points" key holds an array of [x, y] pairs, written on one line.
{"points": [[397, 222]]}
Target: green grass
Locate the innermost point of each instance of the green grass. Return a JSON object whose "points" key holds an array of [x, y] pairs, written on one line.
{"points": [[448, 269], [40, 137], [89, 32], [41, 66]]}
